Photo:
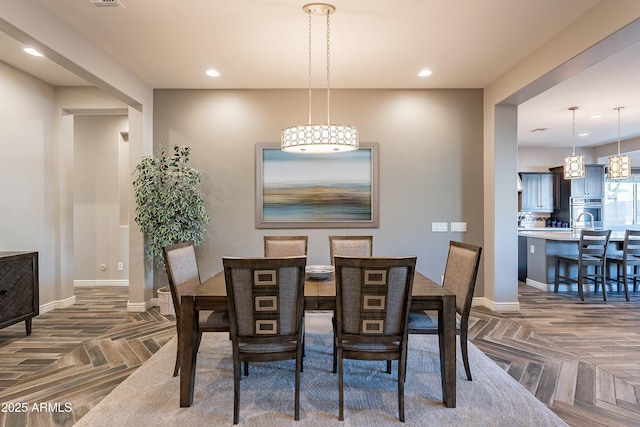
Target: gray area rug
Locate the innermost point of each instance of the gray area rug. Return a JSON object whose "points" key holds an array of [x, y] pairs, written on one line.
{"points": [[150, 396]]}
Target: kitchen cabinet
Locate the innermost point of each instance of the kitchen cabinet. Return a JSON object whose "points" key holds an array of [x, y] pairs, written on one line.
{"points": [[591, 186], [537, 194], [18, 288]]}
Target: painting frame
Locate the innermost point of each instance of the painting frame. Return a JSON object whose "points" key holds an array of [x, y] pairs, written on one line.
{"points": [[363, 212]]}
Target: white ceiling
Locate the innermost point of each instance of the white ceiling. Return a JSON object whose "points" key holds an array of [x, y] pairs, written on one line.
{"points": [[374, 44]]}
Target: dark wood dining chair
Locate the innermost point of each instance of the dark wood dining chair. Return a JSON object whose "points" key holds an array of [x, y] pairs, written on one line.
{"points": [[283, 246], [182, 271], [265, 297], [460, 273], [373, 298], [592, 249], [359, 246], [628, 262]]}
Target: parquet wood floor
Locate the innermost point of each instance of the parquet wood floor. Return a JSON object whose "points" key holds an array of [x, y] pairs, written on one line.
{"points": [[580, 359]]}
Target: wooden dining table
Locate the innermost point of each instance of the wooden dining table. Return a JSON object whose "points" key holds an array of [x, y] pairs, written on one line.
{"points": [[318, 295]]}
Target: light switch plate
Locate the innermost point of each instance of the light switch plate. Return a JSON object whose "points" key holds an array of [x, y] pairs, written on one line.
{"points": [[532, 249], [439, 227], [459, 226]]}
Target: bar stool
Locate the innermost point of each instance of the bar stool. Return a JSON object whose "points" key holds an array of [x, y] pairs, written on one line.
{"points": [[629, 259], [592, 249]]}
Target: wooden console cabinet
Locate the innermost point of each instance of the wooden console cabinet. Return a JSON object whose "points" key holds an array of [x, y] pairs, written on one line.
{"points": [[18, 288]]}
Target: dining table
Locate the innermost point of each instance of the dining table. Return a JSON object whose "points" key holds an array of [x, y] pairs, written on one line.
{"points": [[318, 295]]}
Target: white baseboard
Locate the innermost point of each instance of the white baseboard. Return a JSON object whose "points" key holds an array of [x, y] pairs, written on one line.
{"points": [[57, 304], [87, 283], [496, 306], [139, 307], [538, 285]]}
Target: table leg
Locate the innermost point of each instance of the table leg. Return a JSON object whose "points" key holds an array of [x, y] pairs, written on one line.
{"points": [[187, 340], [447, 338]]}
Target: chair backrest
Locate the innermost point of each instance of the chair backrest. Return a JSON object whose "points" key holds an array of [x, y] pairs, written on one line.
{"points": [[182, 270], [460, 274], [284, 246], [265, 297], [631, 246], [359, 246], [593, 243], [373, 297]]}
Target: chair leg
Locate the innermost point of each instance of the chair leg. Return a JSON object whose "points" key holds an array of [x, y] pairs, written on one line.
{"points": [[246, 369], [556, 280], [388, 366], [297, 404], [236, 390], [400, 397], [177, 367], [465, 352], [340, 388], [601, 278], [624, 281], [580, 290], [335, 344]]}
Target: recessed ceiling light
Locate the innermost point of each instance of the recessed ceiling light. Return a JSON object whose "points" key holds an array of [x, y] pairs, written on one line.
{"points": [[596, 116], [583, 134], [213, 73], [424, 73], [32, 51]]}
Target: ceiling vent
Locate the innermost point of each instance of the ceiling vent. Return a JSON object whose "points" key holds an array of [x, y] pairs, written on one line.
{"points": [[106, 3]]}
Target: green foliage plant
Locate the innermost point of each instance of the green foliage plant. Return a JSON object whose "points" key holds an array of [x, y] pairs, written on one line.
{"points": [[169, 207]]}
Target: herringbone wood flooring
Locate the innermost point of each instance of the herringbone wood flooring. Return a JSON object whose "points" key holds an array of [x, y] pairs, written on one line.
{"points": [[580, 359]]}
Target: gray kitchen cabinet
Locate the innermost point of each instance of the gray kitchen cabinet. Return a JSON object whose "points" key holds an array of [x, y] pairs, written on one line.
{"points": [[537, 194], [592, 185]]}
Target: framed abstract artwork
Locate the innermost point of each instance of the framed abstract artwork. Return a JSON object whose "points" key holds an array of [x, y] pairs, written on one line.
{"points": [[316, 190]]}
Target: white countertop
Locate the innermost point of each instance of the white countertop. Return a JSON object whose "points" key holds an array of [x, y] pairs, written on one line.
{"points": [[565, 235]]}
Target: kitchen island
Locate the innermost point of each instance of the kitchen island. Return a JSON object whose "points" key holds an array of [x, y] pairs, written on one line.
{"points": [[542, 247]]}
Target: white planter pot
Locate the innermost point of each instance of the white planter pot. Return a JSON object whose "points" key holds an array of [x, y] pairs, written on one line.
{"points": [[166, 302]]}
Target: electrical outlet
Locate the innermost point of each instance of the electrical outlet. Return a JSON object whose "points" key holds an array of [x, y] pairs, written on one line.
{"points": [[120, 266], [459, 226], [439, 227]]}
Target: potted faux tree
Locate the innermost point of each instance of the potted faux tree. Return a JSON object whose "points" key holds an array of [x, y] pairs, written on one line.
{"points": [[169, 207]]}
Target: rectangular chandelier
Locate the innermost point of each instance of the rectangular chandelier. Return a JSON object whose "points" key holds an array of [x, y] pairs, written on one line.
{"points": [[573, 167], [619, 167]]}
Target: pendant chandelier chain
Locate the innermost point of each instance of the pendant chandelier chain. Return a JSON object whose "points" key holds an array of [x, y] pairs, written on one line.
{"points": [[573, 138], [310, 28], [328, 66], [618, 109]]}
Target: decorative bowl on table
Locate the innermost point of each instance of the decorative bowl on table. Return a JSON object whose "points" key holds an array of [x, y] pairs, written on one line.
{"points": [[319, 272]]}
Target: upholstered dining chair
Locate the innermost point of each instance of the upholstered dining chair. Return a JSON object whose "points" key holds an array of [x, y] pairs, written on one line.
{"points": [[182, 271], [460, 273], [265, 297], [373, 297], [359, 246], [592, 249], [282, 246], [628, 262]]}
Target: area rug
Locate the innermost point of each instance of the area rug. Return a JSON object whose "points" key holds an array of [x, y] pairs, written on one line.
{"points": [[150, 396]]}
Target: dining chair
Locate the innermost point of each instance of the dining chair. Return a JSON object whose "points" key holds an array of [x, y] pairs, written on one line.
{"points": [[359, 246], [628, 262], [282, 246], [592, 249], [460, 273], [265, 297], [373, 297], [182, 271]]}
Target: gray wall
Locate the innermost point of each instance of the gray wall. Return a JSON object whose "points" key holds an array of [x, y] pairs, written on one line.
{"points": [[100, 190], [430, 146], [28, 190]]}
